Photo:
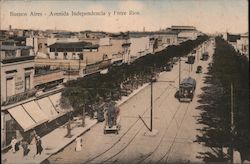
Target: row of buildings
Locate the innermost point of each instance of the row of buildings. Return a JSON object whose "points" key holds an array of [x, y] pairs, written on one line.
{"points": [[34, 64], [240, 42]]}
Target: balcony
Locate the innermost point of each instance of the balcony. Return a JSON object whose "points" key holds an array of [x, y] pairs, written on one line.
{"points": [[19, 97], [47, 77], [17, 59]]}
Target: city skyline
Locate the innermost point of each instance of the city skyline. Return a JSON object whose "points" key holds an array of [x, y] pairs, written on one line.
{"points": [[207, 16]]}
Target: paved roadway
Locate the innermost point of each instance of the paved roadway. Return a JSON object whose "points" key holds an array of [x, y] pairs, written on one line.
{"points": [[174, 121]]}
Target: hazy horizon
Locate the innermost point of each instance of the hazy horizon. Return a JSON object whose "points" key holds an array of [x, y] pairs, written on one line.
{"points": [[207, 16]]}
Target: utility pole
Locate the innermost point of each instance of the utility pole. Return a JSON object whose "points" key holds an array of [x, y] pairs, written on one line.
{"points": [[83, 114], [69, 71], [151, 103], [151, 108], [232, 124], [179, 71], [79, 63]]}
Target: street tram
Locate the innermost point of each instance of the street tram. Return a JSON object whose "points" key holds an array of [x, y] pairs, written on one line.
{"points": [[187, 89], [112, 124], [191, 59], [169, 66], [205, 56]]}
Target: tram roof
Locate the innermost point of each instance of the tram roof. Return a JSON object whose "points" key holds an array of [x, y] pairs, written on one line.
{"points": [[188, 82]]}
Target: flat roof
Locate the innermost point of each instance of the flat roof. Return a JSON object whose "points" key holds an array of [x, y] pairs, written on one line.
{"points": [[10, 47], [73, 45]]}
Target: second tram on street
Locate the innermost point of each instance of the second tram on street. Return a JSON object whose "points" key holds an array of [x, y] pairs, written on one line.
{"points": [[205, 56], [187, 89], [191, 59]]}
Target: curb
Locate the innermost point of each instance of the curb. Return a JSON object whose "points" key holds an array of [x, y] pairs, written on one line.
{"points": [[133, 95], [69, 142]]}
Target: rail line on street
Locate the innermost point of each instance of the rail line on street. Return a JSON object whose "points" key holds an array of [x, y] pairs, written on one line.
{"points": [[166, 155], [113, 145], [141, 127], [166, 129], [163, 136], [128, 142]]}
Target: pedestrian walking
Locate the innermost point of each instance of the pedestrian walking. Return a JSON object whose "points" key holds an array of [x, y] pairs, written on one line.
{"points": [[25, 148], [13, 144], [91, 112], [39, 147], [78, 144], [33, 144]]}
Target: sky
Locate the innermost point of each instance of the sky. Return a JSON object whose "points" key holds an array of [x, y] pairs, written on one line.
{"points": [[208, 16]]}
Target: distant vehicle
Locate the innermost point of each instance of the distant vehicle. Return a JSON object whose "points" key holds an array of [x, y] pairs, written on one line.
{"points": [[187, 89], [205, 56], [169, 66], [175, 60], [155, 77], [191, 59], [199, 69]]}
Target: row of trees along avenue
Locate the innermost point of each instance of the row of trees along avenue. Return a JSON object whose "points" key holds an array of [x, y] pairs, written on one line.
{"points": [[225, 99], [121, 80]]}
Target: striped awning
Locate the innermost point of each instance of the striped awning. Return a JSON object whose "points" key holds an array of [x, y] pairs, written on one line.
{"points": [[22, 117], [35, 112]]}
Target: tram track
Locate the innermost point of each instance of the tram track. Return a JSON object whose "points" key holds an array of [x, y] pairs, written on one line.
{"points": [[138, 130], [166, 129], [132, 125], [126, 132], [128, 142], [166, 155]]}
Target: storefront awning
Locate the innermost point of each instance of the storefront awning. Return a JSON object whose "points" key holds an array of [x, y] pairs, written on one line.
{"points": [[35, 112], [48, 108], [55, 99], [22, 117]]}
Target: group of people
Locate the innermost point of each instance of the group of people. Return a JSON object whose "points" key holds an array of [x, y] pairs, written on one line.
{"points": [[36, 143], [95, 108]]}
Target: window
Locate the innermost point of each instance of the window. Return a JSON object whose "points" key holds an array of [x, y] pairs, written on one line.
{"points": [[73, 55], [10, 87], [65, 55], [56, 55], [168, 41], [105, 56], [52, 49], [27, 82], [80, 56], [40, 46]]}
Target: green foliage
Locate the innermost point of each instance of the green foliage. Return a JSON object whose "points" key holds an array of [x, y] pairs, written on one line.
{"points": [[228, 68], [91, 88]]}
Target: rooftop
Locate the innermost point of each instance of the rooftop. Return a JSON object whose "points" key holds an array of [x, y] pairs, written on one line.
{"points": [[73, 45], [12, 48], [233, 38], [183, 28]]}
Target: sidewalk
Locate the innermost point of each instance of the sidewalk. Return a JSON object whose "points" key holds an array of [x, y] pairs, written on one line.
{"points": [[56, 140], [52, 143]]}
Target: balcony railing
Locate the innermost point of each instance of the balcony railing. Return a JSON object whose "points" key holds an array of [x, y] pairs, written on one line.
{"points": [[48, 77], [17, 59], [20, 97]]}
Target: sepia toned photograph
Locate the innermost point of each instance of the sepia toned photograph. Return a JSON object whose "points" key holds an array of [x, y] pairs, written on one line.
{"points": [[124, 81]]}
